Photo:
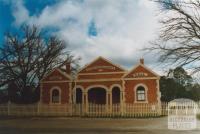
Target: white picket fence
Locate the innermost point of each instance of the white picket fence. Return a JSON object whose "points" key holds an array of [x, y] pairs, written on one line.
{"points": [[91, 110], [142, 110], [11, 109]]}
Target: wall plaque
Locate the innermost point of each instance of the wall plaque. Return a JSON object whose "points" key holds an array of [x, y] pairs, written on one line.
{"points": [[140, 74], [100, 68]]}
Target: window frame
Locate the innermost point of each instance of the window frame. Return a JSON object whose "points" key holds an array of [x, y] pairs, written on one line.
{"points": [[140, 94], [59, 95], [136, 100]]}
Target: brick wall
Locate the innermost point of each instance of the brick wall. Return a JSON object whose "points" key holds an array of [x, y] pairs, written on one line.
{"points": [[64, 92], [151, 93]]}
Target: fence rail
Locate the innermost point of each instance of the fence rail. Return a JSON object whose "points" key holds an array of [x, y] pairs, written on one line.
{"points": [[92, 110]]}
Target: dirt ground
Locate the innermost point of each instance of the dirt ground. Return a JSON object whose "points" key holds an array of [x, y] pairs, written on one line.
{"points": [[88, 126]]}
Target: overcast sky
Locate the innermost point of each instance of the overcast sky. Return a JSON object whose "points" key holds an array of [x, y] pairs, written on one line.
{"points": [[114, 29]]}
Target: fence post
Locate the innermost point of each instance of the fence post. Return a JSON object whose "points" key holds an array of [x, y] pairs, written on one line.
{"points": [[38, 108], [8, 110], [70, 109]]}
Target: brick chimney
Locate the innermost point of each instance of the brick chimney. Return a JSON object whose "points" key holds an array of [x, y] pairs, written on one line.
{"points": [[68, 68], [141, 61]]}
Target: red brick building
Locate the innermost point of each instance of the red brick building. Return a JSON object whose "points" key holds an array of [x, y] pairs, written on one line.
{"points": [[101, 82]]}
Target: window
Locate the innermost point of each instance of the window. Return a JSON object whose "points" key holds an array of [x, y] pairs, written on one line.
{"points": [[141, 94], [55, 96]]}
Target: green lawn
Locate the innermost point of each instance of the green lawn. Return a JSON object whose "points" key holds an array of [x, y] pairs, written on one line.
{"points": [[198, 116]]}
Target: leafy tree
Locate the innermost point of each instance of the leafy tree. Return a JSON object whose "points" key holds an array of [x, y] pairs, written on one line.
{"points": [[26, 57], [195, 92], [182, 77], [170, 89], [178, 84]]}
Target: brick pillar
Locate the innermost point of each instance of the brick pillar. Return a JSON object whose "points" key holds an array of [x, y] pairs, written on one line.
{"points": [[108, 101], [85, 102], [121, 102]]}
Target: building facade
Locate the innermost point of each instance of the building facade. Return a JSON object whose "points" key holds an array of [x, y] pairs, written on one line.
{"points": [[101, 82]]}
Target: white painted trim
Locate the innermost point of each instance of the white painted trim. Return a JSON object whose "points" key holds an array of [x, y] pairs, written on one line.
{"points": [[158, 96], [121, 95], [139, 64], [96, 86], [88, 65], [150, 70], [98, 59], [114, 79], [47, 75], [113, 63], [60, 94], [79, 86], [116, 85], [101, 73], [158, 91], [146, 93], [141, 78], [123, 87], [64, 81], [82, 90], [65, 75], [73, 93], [97, 80]]}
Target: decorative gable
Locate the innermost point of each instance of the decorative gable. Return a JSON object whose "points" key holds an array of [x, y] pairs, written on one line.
{"points": [[56, 75], [101, 65], [141, 71]]}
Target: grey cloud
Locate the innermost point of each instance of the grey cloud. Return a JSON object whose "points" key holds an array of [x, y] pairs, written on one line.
{"points": [[123, 27]]}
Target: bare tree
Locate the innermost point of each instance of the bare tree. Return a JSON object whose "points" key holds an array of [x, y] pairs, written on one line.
{"points": [[25, 58], [179, 37]]}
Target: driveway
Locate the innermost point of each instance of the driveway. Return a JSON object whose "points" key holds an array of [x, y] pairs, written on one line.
{"points": [[88, 126]]}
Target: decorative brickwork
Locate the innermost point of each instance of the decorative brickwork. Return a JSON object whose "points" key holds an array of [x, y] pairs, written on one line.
{"points": [[116, 84]]}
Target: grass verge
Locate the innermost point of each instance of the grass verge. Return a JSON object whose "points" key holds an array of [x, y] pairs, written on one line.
{"points": [[198, 116]]}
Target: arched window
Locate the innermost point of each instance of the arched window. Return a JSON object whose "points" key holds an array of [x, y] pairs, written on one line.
{"points": [[140, 94], [55, 96]]}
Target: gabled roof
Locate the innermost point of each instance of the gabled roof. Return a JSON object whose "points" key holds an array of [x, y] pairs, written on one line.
{"points": [[60, 72], [101, 58], [145, 67]]}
